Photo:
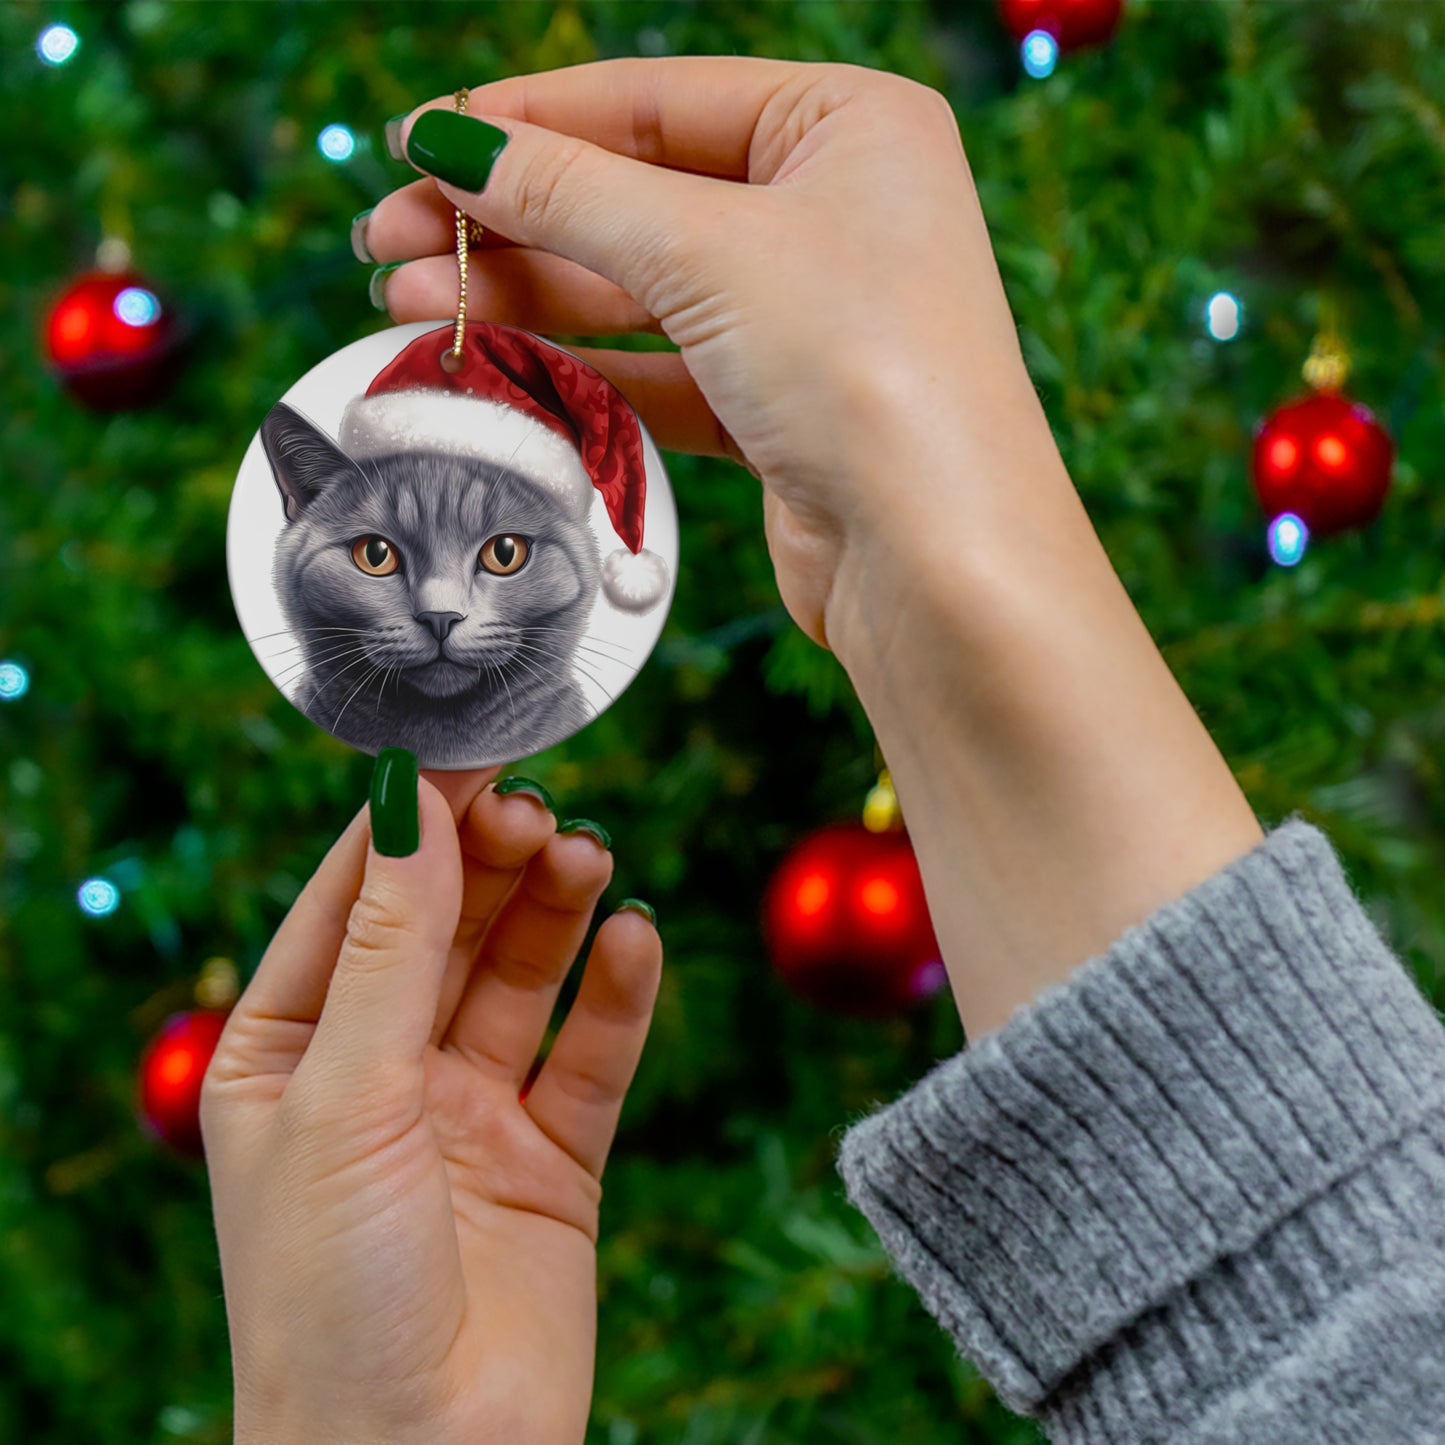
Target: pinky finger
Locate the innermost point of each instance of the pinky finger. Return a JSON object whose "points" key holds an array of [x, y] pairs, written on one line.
{"points": [[577, 1097]]}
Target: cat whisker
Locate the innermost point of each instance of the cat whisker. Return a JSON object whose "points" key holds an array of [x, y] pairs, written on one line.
{"points": [[587, 637], [330, 653], [585, 671], [600, 656], [510, 701], [530, 668], [622, 647], [385, 679], [302, 663], [298, 646], [336, 676], [571, 662], [297, 631], [596, 682], [336, 725], [322, 651]]}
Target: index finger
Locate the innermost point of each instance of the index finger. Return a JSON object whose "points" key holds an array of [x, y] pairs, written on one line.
{"points": [[687, 112]]}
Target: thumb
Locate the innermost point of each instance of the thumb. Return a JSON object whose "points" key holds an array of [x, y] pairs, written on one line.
{"points": [[382, 1000], [633, 223]]}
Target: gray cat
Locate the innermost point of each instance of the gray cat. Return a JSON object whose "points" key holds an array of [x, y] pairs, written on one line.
{"points": [[437, 603]]}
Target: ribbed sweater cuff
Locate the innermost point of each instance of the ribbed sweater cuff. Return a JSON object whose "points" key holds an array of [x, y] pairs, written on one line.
{"points": [[1142, 1165]]}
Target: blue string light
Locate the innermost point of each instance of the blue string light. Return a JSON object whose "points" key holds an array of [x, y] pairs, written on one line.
{"points": [[57, 44], [1040, 52], [14, 681], [1288, 537], [336, 143], [1223, 316], [98, 897], [137, 307]]}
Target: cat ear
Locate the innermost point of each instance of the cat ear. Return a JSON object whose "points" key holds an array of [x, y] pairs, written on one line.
{"points": [[304, 460]]}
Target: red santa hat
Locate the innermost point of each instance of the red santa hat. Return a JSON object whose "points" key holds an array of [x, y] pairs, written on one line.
{"points": [[519, 402]]}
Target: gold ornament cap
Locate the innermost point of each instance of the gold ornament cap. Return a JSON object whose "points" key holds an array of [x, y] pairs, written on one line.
{"points": [[219, 985], [1328, 365], [881, 813]]}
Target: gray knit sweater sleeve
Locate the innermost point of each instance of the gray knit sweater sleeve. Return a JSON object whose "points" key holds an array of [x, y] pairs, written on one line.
{"points": [[1195, 1193]]}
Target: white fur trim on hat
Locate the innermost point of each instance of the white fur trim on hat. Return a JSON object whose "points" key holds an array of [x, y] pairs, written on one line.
{"points": [[634, 582], [419, 419]]}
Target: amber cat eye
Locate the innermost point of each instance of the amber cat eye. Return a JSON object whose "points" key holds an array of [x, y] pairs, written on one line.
{"points": [[375, 556], [504, 554]]}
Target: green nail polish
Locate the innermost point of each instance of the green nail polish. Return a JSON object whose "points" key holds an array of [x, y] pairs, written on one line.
{"points": [[376, 287], [636, 905], [455, 148], [392, 132], [586, 825], [395, 825], [526, 785], [359, 247]]}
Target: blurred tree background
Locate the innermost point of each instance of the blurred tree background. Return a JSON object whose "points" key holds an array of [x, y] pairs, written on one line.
{"points": [[1286, 153]]}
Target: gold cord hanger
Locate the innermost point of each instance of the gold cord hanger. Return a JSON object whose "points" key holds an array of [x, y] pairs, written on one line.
{"points": [[469, 233]]}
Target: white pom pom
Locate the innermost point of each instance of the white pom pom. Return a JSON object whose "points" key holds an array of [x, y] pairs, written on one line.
{"points": [[634, 582]]}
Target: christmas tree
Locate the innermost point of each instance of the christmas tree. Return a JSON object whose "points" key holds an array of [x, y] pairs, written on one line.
{"points": [[1179, 214]]}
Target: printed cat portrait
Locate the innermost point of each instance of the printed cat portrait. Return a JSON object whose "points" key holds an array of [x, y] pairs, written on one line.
{"points": [[435, 602]]}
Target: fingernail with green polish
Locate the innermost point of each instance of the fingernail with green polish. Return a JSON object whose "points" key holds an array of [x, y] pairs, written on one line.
{"points": [[393, 136], [395, 824], [636, 905], [527, 786], [376, 287], [455, 148], [359, 248], [586, 825]]}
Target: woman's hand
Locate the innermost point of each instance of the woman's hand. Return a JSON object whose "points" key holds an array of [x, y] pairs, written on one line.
{"points": [[810, 237], [841, 301], [408, 1246]]}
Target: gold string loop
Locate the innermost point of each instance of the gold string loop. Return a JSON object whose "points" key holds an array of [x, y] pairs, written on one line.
{"points": [[469, 233]]}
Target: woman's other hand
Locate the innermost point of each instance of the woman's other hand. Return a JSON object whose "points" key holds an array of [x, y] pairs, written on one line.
{"points": [[407, 1243]]}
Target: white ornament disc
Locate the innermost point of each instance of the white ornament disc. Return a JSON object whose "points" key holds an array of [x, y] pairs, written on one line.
{"points": [[452, 563]]}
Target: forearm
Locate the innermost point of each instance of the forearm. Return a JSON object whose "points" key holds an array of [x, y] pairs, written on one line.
{"points": [[1057, 784]]}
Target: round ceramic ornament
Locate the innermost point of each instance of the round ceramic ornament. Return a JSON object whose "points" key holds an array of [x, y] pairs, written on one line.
{"points": [[456, 540]]}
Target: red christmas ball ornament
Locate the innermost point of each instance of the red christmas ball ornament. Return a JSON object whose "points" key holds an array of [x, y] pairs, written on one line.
{"points": [[1073, 23], [847, 923], [1324, 458], [112, 341], [171, 1072]]}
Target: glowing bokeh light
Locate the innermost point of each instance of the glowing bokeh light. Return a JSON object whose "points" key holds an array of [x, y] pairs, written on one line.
{"points": [[1040, 52], [14, 681], [177, 1066], [73, 325], [137, 307], [98, 897], [57, 44], [336, 143], [1288, 537], [1223, 316], [812, 895], [879, 897], [1331, 451], [929, 979], [1283, 454]]}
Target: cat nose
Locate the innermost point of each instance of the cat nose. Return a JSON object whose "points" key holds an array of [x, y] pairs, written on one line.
{"points": [[440, 623]]}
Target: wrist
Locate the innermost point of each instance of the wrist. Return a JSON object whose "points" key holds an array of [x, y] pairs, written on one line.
{"points": [[1057, 784], [951, 510]]}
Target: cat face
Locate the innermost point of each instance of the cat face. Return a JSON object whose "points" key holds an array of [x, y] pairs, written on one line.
{"points": [[423, 572]]}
